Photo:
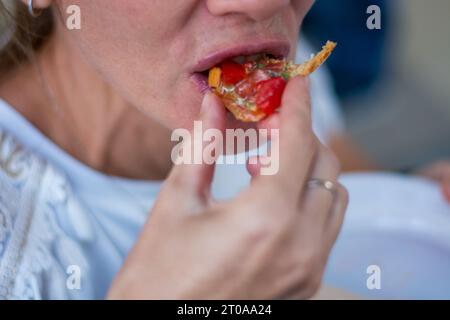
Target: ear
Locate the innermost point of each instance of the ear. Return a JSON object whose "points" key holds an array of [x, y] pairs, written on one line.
{"points": [[39, 4]]}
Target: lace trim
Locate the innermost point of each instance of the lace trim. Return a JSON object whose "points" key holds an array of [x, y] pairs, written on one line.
{"points": [[19, 180], [34, 250], [49, 250]]}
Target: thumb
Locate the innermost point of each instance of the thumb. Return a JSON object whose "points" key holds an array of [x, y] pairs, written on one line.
{"points": [[194, 171]]}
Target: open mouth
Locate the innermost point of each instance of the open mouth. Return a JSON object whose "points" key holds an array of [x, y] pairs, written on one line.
{"points": [[201, 77], [237, 73], [275, 49], [251, 86]]}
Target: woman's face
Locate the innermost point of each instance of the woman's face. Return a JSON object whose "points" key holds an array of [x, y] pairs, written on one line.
{"points": [[153, 52]]}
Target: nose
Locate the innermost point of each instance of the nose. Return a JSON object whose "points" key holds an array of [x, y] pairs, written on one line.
{"points": [[255, 9]]}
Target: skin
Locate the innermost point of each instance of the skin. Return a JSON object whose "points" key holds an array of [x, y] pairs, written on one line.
{"points": [[272, 241], [74, 62], [132, 74], [115, 89], [111, 96]]}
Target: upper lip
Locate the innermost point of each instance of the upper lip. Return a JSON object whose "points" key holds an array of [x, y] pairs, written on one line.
{"points": [[277, 48]]}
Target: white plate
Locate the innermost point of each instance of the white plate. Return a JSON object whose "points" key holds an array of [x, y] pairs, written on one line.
{"points": [[400, 224]]}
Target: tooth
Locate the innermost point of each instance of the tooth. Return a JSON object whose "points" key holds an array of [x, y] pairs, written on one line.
{"points": [[254, 57], [239, 59]]}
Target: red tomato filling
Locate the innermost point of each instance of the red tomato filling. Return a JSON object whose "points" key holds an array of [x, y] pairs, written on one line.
{"points": [[232, 72], [269, 94], [259, 83]]}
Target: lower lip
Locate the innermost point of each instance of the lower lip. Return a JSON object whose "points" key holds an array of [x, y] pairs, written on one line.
{"points": [[201, 81]]}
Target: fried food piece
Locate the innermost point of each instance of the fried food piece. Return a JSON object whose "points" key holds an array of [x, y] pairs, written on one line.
{"points": [[252, 90], [308, 67]]}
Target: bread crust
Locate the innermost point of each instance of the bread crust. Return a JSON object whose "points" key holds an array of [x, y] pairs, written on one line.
{"points": [[308, 67]]}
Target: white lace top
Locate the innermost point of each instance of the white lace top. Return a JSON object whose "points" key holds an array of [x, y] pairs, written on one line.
{"points": [[36, 252]]}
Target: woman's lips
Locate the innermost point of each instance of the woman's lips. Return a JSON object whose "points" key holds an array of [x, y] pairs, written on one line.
{"points": [[278, 48]]}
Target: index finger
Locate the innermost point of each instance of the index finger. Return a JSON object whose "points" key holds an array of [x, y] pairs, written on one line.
{"points": [[297, 144]]}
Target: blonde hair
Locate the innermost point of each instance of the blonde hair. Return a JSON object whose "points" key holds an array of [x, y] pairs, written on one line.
{"points": [[20, 34]]}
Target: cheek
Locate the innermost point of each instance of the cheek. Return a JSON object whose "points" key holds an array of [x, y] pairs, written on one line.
{"points": [[129, 45], [135, 14], [302, 7]]}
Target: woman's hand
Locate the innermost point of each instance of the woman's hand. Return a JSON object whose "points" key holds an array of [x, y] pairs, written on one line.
{"points": [[439, 172], [271, 241]]}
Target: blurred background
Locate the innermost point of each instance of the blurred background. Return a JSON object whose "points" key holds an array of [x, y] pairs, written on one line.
{"points": [[393, 83]]}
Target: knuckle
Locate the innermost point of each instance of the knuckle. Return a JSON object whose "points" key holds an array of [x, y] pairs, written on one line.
{"points": [[333, 160], [259, 225], [256, 230], [308, 140], [176, 180]]}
